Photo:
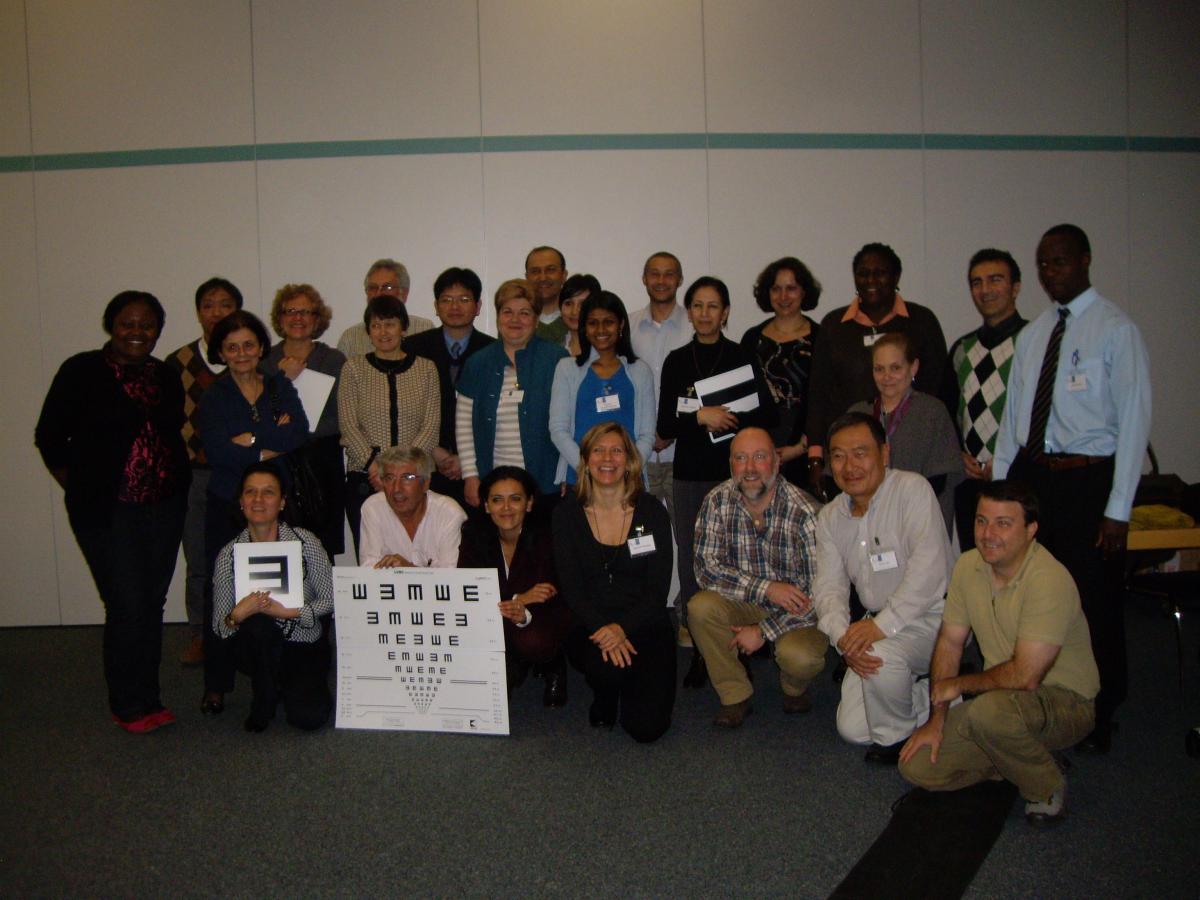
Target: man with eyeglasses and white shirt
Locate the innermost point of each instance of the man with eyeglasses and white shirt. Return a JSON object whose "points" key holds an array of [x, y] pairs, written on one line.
{"points": [[385, 277], [406, 524]]}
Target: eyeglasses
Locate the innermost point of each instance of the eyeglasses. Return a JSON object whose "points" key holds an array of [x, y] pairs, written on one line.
{"points": [[406, 477], [389, 287], [464, 300], [300, 311], [759, 456]]}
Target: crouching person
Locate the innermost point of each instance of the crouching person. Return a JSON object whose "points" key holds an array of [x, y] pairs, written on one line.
{"points": [[1036, 692]]}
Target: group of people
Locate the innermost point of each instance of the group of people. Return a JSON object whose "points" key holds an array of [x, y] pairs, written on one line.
{"points": [[585, 449]]}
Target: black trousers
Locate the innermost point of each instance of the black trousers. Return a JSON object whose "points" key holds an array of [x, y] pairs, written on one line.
{"points": [[966, 499], [132, 558], [644, 691], [293, 671], [1072, 502]]}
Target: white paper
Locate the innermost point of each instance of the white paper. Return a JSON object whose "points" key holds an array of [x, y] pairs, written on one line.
{"points": [[420, 650], [314, 389], [275, 566], [742, 376]]}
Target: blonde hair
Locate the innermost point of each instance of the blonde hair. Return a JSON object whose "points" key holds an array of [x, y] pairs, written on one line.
{"points": [[633, 463], [518, 288], [324, 315]]}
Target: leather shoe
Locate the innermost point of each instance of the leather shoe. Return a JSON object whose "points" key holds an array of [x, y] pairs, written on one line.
{"points": [[212, 703], [602, 714], [1045, 813], [554, 695], [1099, 741], [798, 704], [697, 673], [884, 754], [733, 714]]}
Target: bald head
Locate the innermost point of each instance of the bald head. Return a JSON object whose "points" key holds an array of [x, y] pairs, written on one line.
{"points": [[753, 463]]}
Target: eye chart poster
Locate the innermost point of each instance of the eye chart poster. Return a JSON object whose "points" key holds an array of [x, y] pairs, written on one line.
{"points": [[420, 650]]}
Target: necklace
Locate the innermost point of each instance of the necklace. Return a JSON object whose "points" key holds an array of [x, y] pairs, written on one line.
{"points": [[609, 552], [716, 362]]}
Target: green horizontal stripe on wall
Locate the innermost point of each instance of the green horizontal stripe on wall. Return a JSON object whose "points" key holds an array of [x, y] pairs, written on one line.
{"points": [[812, 141], [331, 149], [120, 159], [583, 142]]}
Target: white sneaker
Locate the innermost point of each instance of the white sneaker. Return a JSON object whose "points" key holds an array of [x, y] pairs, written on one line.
{"points": [[1044, 813]]}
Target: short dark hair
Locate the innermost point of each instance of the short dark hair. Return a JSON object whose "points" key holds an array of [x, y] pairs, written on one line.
{"points": [[766, 279], [508, 473], [883, 250], [239, 318], [128, 298], [562, 260], [454, 275], [609, 301], [224, 284], [991, 254], [707, 281], [260, 468], [1007, 491], [385, 306], [1074, 232], [850, 420], [577, 283], [667, 254]]}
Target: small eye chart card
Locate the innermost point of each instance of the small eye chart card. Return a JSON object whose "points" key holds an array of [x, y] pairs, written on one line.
{"points": [[420, 650]]}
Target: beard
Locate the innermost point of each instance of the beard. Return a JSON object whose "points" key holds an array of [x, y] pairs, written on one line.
{"points": [[755, 490]]}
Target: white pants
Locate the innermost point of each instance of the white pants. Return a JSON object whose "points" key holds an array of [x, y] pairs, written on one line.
{"points": [[891, 704]]}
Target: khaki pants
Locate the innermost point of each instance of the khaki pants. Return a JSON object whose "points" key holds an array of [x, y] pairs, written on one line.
{"points": [[1006, 733], [800, 654]]}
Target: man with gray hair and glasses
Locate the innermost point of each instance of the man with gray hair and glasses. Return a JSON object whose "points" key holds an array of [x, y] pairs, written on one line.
{"points": [[385, 277], [406, 524]]}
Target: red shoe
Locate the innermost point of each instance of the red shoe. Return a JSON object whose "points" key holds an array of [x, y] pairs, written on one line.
{"points": [[162, 717], [147, 723]]}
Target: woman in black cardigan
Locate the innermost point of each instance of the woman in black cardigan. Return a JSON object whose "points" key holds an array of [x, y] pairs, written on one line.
{"points": [[702, 434], [109, 433], [536, 619], [612, 550]]}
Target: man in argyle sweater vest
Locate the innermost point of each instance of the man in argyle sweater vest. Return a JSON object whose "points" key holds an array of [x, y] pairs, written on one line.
{"points": [[215, 299], [976, 381]]}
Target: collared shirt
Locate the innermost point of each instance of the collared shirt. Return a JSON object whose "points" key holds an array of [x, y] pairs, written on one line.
{"points": [[739, 561], [1101, 399], [1040, 603], [435, 544], [854, 313], [652, 341], [452, 342], [897, 556], [356, 341]]}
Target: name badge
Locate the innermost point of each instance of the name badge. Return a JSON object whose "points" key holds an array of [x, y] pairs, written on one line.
{"points": [[516, 395], [641, 545], [870, 339], [881, 562], [1076, 382], [608, 403], [687, 405]]}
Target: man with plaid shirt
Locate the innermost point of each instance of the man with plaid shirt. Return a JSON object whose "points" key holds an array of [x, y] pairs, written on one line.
{"points": [[755, 551]]}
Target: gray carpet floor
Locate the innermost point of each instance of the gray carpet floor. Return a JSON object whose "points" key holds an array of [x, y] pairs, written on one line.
{"points": [[779, 808]]}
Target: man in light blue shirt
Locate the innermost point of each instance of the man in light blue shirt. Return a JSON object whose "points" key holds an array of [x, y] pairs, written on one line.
{"points": [[1086, 466]]}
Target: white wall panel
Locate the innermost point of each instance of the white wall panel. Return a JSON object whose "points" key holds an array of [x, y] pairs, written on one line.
{"points": [[1164, 68], [325, 221], [549, 67], [1008, 200], [820, 206], [1164, 220], [606, 211], [369, 69], [1024, 67], [27, 550], [823, 65], [132, 74], [14, 80], [160, 228]]}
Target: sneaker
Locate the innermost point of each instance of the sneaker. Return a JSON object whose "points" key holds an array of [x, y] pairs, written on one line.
{"points": [[144, 724], [1044, 813], [732, 715], [193, 653]]}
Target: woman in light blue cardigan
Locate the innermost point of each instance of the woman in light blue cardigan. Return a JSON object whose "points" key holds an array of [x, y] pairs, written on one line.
{"points": [[605, 382]]}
